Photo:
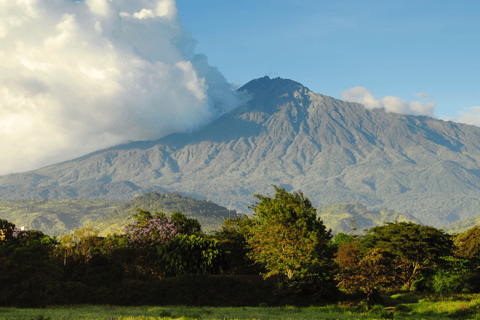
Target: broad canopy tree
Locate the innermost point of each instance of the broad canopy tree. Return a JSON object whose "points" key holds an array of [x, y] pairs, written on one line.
{"points": [[414, 246], [286, 236], [373, 271]]}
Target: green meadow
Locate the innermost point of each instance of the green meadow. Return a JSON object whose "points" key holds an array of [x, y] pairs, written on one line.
{"points": [[396, 306]]}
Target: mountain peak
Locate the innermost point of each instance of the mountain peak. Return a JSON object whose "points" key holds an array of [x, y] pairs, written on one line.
{"points": [[271, 86]]}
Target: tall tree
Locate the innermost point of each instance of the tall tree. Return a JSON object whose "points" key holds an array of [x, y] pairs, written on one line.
{"points": [[468, 246], [286, 236], [231, 238], [370, 272], [414, 246]]}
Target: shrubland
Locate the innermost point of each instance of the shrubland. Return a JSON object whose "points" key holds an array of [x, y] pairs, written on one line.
{"points": [[282, 255]]}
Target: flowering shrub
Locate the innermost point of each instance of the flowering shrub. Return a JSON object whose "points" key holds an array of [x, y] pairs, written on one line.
{"points": [[150, 230]]}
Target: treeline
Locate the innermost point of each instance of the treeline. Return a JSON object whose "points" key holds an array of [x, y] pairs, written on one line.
{"points": [[168, 260]]}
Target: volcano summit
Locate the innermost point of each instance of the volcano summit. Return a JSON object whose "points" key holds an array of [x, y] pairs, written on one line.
{"points": [[287, 135]]}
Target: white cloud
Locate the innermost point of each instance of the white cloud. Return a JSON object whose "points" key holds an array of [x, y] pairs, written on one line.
{"points": [[424, 96], [389, 103], [469, 115], [80, 76], [99, 7]]}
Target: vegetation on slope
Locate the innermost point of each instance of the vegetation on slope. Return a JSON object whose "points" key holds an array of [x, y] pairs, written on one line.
{"points": [[210, 215], [55, 217], [462, 226], [63, 216]]}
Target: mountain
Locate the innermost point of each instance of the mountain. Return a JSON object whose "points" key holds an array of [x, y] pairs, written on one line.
{"points": [[345, 217], [333, 151], [462, 225]]}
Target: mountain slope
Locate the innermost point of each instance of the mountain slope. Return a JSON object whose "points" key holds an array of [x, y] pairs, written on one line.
{"points": [[331, 150]]}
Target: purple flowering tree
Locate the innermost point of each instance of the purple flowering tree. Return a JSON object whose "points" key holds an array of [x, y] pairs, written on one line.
{"points": [[144, 236], [152, 232]]}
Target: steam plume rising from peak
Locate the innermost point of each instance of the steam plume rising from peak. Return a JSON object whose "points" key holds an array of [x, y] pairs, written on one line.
{"points": [[78, 76]]}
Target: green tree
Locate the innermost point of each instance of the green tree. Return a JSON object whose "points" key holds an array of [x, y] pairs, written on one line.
{"points": [[414, 246], [186, 225], [468, 245], [186, 254], [231, 237], [340, 239], [286, 236], [26, 274]]}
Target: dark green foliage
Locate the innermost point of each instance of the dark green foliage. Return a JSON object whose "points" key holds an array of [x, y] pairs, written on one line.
{"points": [[452, 276], [24, 238], [47, 240], [446, 283], [191, 255], [416, 247], [190, 290], [380, 311], [468, 246], [102, 271], [286, 236], [25, 276], [231, 238], [340, 239], [402, 308], [310, 289], [186, 225]]}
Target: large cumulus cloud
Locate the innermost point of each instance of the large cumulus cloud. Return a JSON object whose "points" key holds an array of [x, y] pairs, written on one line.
{"points": [[77, 76]]}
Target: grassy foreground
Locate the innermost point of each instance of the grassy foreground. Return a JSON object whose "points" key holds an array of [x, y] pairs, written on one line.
{"points": [[401, 305]]}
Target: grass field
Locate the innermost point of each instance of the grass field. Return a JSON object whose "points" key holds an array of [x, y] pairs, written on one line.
{"points": [[401, 306]]}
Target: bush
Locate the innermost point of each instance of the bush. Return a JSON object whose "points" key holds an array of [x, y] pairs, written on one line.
{"points": [[403, 308], [25, 276], [196, 290], [310, 289], [380, 310], [102, 271], [445, 283], [191, 255]]}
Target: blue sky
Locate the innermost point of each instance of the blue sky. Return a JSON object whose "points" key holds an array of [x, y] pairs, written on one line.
{"points": [[79, 76], [391, 48]]}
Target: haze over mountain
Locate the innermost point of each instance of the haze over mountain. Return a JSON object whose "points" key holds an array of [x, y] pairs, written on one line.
{"points": [[333, 151]]}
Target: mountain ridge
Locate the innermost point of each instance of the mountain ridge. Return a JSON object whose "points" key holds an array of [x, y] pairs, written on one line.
{"points": [[287, 135]]}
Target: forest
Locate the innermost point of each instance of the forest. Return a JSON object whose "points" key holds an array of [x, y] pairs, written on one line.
{"points": [[282, 255]]}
